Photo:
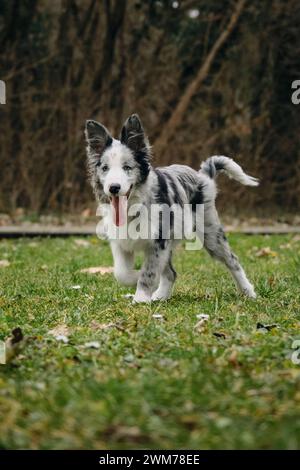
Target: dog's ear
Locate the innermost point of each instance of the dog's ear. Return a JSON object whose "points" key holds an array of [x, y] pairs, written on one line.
{"points": [[97, 137], [133, 134]]}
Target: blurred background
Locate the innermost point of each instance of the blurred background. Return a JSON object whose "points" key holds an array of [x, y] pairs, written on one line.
{"points": [[206, 77]]}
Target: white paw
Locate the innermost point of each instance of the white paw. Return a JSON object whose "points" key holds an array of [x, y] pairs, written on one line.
{"points": [[249, 292], [157, 295], [141, 297]]}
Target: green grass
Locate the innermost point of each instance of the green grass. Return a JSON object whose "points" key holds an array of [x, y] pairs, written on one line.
{"points": [[152, 383]]}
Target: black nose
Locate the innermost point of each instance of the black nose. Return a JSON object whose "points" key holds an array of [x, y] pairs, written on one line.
{"points": [[114, 188]]}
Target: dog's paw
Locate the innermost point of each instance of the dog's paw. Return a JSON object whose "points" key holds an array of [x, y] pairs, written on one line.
{"points": [[141, 297], [157, 295], [250, 293]]}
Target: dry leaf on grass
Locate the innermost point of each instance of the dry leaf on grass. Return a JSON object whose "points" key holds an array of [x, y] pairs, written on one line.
{"points": [[4, 263], [233, 358], [98, 270], [60, 333], [101, 326], [261, 326], [128, 296], [285, 246], [266, 252], [219, 335], [105, 326], [92, 345], [81, 242], [203, 319], [129, 433], [13, 344], [271, 281], [62, 338], [202, 316], [158, 316]]}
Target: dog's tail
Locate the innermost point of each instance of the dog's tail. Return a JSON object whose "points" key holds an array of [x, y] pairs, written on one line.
{"points": [[213, 165]]}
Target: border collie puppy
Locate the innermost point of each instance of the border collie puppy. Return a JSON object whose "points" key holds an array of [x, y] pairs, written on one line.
{"points": [[121, 175]]}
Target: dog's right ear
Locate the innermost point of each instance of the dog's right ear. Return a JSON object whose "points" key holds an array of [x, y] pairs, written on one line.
{"points": [[97, 137], [133, 134]]}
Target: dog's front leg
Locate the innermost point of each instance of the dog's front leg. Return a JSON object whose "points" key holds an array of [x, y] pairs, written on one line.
{"points": [[155, 261], [123, 265]]}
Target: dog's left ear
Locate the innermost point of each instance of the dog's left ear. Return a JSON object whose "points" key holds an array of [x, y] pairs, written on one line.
{"points": [[133, 134]]}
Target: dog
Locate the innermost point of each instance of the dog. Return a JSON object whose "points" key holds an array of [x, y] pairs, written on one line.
{"points": [[121, 170]]}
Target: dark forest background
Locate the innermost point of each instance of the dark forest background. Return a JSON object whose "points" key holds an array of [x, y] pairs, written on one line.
{"points": [[206, 76]]}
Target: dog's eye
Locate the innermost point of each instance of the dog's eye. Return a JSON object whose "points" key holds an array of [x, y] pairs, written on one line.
{"points": [[104, 168], [127, 168]]}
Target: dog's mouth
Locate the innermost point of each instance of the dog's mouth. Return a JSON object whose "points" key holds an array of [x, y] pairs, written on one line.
{"points": [[119, 204]]}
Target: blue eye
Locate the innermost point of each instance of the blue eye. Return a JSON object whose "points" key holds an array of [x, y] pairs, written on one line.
{"points": [[127, 168]]}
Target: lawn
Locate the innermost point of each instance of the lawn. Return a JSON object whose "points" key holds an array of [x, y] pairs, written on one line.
{"points": [[149, 381]]}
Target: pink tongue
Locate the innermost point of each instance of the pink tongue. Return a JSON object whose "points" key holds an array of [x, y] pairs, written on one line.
{"points": [[119, 209]]}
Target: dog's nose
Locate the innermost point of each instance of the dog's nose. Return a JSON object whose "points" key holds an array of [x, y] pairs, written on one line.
{"points": [[114, 188]]}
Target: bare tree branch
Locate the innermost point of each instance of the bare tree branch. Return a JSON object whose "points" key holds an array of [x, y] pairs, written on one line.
{"points": [[182, 105]]}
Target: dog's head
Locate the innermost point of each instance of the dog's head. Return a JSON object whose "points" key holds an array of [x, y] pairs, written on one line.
{"points": [[116, 167]]}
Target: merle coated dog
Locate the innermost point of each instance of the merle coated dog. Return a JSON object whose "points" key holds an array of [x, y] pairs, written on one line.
{"points": [[121, 170]]}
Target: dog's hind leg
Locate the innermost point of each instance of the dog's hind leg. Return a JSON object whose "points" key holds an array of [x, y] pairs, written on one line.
{"points": [[166, 282], [123, 266], [216, 244]]}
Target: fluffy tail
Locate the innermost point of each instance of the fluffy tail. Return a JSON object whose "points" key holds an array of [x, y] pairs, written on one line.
{"points": [[214, 164]]}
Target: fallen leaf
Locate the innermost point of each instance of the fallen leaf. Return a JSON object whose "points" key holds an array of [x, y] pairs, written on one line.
{"points": [[81, 242], [271, 281], [191, 421], [202, 316], [104, 326], [128, 296], [219, 335], [60, 333], [203, 319], [13, 344], [261, 326], [233, 358], [92, 345], [129, 358], [266, 252], [284, 246], [95, 325], [125, 433], [98, 270], [62, 338], [4, 263], [158, 316]]}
